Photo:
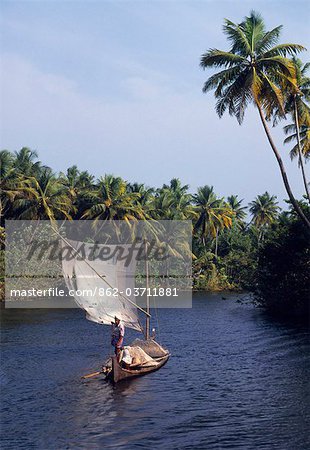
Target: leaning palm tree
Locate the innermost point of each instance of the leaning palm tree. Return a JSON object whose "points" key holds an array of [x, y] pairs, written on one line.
{"points": [[253, 72], [297, 105]]}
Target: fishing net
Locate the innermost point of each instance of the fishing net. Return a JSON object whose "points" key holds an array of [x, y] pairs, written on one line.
{"points": [[103, 288], [150, 347]]}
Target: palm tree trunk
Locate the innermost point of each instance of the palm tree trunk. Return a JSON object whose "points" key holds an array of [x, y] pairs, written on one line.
{"points": [[282, 169], [299, 150], [216, 242]]}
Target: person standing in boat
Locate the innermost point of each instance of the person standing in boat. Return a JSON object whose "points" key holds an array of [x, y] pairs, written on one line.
{"points": [[118, 331]]}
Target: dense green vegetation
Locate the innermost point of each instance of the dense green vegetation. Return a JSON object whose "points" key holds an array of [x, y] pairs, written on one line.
{"points": [[230, 239], [282, 278]]}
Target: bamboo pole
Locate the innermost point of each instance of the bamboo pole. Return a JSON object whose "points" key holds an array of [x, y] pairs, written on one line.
{"points": [[90, 375]]}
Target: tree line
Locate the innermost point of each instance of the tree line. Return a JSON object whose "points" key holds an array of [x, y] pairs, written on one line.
{"points": [[226, 232]]}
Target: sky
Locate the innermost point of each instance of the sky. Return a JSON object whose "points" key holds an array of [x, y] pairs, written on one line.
{"points": [[116, 87]]}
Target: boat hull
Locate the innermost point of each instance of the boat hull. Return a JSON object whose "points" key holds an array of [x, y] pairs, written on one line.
{"points": [[119, 373], [158, 356]]}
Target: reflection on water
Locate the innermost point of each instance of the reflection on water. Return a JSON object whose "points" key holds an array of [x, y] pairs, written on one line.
{"points": [[236, 379]]}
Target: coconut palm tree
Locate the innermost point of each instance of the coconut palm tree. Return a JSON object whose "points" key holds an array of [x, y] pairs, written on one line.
{"points": [[253, 72], [162, 205], [304, 133], [42, 197], [25, 162], [8, 182], [298, 99], [176, 187], [172, 202], [180, 199], [239, 210], [213, 214], [71, 180], [6, 163], [264, 210], [86, 180], [76, 180], [112, 201], [145, 195], [297, 106], [78, 184]]}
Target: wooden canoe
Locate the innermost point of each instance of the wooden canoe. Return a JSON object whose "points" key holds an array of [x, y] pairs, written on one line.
{"points": [[158, 354], [119, 373]]}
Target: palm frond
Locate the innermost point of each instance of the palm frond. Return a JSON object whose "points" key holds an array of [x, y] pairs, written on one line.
{"points": [[304, 70], [289, 128], [268, 40], [221, 78], [219, 58], [274, 99], [290, 138], [284, 50], [231, 96], [277, 63], [254, 29], [236, 36]]}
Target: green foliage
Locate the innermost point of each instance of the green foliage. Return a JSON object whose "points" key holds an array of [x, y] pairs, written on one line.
{"points": [[213, 214], [264, 210], [304, 133], [110, 200], [208, 275], [257, 69], [237, 255], [282, 282], [237, 208], [226, 250], [252, 69]]}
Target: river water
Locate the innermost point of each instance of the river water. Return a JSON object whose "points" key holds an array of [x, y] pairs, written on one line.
{"points": [[236, 379]]}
